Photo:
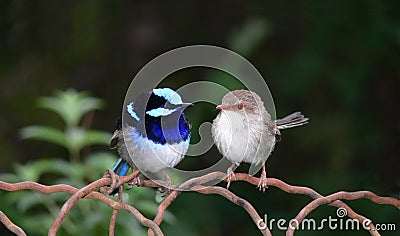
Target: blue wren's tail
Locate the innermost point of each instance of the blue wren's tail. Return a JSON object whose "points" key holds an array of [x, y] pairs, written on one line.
{"points": [[120, 168]]}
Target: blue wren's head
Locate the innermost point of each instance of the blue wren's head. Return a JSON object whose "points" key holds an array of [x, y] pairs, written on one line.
{"points": [[156, 134], [158, 116]]}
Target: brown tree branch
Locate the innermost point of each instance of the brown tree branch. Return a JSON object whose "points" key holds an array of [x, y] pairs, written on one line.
{"points": [[81, 193], [174, 194], [113, 219], [93, 195], [273, 183], [238, 201], [10, 225], [344, 196], [111, 182], [315, 195]]}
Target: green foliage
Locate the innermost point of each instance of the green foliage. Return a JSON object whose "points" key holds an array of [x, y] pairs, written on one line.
{"points": [[71, 106], [87, 217]]}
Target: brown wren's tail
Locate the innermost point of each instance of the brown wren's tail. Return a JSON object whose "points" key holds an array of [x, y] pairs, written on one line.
{"points": [[292, 120]]}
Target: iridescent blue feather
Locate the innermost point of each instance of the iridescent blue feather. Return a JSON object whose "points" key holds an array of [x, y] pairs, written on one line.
{"points": [[121, 167]]}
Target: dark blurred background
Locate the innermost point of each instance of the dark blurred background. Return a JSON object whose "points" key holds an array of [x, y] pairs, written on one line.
{"points": [[338, 62]]}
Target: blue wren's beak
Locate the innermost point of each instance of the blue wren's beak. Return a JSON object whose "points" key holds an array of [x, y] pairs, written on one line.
{"points": [[187, 104], [184, 105]]}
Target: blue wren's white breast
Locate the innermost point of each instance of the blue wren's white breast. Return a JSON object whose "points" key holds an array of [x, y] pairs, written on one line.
{"points": [[157, 134]]}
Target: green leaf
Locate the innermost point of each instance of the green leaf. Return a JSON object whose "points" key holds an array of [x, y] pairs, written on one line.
{"points": [[77, 138], [96, 163], [44, 133], [33, 171], [27, 201], [147, 207], [70, 105], [9, 177], [97, 137], [99, 161]]}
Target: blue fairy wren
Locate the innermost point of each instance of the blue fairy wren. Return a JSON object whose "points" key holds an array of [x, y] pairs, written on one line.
{"points": [[157, 133], [244, 132]]}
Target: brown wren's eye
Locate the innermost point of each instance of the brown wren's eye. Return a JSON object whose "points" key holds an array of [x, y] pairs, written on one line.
{"points": [[240, 106]]}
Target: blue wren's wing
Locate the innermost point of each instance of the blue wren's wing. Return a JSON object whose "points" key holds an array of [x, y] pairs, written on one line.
{"points": [[121, 167], [117, 133]]}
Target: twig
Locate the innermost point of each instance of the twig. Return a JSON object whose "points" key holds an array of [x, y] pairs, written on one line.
{"points": [[344, 196], [175, 193], [71, 202], [271, 182], [238, 201], [113, 219], [113, 181], [314, 195], [87, 190], [10, 225], [93, 195], [112, 222]]}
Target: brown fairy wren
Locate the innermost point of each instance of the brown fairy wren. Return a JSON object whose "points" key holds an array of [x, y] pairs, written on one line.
{"points": [[244, 132]]}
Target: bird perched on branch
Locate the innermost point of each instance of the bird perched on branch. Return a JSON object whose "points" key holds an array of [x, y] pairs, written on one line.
{"points": [[244, 132], [157, 133]]}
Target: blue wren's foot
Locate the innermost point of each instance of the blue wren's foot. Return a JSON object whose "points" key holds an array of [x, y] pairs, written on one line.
{"points": [[166, 188], [136, 181], [116, 183]]}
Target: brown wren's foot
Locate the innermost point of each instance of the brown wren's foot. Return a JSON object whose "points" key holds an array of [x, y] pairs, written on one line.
{"points": [[230, 176], [262, 184]]}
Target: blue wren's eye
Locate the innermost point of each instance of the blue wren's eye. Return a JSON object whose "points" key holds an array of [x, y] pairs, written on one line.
{"points": [[240, 106]]}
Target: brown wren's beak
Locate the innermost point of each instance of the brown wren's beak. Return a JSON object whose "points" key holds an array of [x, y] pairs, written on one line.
{"points": [[221, 107]]}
